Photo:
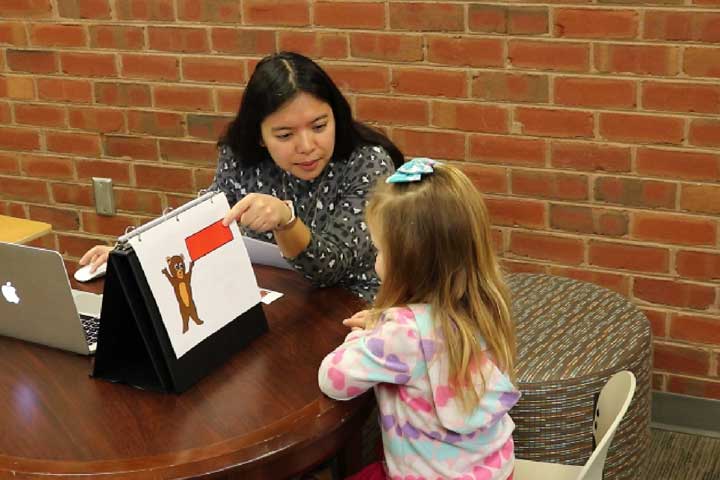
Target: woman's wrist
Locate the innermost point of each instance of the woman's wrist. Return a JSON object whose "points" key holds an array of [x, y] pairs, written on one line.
{"points": [[288, 224]]}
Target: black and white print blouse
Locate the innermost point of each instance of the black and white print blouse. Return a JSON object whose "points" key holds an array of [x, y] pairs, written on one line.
{"points": [[332, 206]]}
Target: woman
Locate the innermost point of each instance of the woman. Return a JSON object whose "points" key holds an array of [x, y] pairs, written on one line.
{"points": [[297, 169]]}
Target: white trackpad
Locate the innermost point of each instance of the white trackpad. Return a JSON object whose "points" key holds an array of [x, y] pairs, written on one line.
{"points": [[88, 303]]}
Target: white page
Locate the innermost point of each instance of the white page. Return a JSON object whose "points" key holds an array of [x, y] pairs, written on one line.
{"points": [[222, 282], [265, 253]]}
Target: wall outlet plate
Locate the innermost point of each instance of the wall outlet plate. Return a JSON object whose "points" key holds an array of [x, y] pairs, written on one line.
{"points": [[104, 196]]}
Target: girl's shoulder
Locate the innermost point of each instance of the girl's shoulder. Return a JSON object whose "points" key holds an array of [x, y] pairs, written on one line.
{"points": [[407, 314]]}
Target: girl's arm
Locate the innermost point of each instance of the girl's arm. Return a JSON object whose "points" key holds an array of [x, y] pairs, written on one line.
{"points": [[390, 353]]}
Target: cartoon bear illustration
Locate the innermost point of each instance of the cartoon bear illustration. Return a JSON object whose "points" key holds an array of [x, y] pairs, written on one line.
{"points": [[180, 281]]}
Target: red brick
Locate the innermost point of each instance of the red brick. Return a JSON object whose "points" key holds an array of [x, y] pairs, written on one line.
{"points": [[117, 37], [118, 171], [611, 281], [24, 189], [393, 111], [340, 14], [681, 97], [595, 92], [97, 119], [31, 61], [13, 33], [93, 9], [466, 51], [590, 157], [228, 99], [202, 177], [527, 20], [634, 192], [702, 62], [59, 218], [40, 115], [243, 41], [427, 17], [641, 128], [137, 201], [77, 143], [277, 12], [72, 194], [440, 145], [387, 47], [19, 139], [315, 44], [611, 223], [368, 79], [658, 321], [9, 163], [169, 179], [20, 88], [678, 229], [694, 386], [469, 117], [679, 359], [669, 292], [487, 179], [178, 39], [682, 26], [487, 18], [157, 10], [429, 82], [53, 35], [625, 256], [213, 70], [547, 247], [565, 57], [698, 265], [75, 246], [26, 8], [88, 64], [123, 94], [545, 184], [640, 59], [210, 11], [507, 150], [151, 67], [592, 23], [210, 127], [195, 153], [511, 265], [514, 212], [47, 167], [573, 218], [130, 147], [678, 164], [705, 132], [512, 87], [61, 90], [5, 116], [161, 124], [105, 225], [554, 123], [700, 198], [174, 201], [695, 328], [183, 98]]}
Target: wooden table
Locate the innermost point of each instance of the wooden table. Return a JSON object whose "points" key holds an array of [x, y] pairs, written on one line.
{"points": [[259, 416], [21, 230]]}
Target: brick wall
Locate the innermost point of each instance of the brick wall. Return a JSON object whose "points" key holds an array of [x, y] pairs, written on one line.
{"points": [[592, 126]]}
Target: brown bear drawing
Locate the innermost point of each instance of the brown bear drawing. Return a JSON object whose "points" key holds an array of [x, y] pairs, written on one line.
{"points": [[180, 281]]}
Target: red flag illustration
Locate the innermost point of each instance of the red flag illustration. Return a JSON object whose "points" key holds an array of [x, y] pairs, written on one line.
{"points": [[208, 239]]}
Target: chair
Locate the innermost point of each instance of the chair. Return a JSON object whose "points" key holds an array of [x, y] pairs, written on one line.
{"points": [[614, 400]]}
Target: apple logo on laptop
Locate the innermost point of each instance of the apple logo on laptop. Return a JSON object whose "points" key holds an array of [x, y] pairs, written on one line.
{"points": [[10, 293]]}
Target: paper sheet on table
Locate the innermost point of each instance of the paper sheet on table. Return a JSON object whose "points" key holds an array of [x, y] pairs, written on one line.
{"points": [[269, 296], [265, 253]]}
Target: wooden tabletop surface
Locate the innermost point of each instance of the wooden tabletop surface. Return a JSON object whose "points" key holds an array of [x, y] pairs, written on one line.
{"points": [[261, 415], [21, 230]]}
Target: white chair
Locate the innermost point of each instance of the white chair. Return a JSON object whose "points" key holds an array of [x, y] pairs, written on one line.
{"points": [[612, 404]]}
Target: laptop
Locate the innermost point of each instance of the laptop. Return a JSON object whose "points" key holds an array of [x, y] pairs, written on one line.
{"points": [[38, 305]]}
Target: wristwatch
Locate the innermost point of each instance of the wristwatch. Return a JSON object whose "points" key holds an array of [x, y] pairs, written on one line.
{"points": [[292, 220]]}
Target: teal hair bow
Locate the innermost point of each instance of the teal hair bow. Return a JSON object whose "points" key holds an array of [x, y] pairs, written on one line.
{"points": [[413, 170]]}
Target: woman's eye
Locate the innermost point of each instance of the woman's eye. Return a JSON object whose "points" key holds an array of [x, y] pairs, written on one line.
{"points": [[283, 136], [320, 128]]}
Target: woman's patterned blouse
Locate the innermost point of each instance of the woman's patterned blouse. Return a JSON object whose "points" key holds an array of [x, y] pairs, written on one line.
{"points": [[332, 206]]}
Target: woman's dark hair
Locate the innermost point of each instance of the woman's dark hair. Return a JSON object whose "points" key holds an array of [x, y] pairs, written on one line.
{"points": [[276, 80]]}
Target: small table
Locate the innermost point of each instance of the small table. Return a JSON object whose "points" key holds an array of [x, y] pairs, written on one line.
{"points": [[21, 230], [572, 336]]}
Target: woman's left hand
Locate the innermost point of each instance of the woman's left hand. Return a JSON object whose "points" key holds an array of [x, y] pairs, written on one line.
{"points": [[259, 212]]}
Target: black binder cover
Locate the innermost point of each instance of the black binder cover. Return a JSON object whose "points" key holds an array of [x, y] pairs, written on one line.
{"points": [[133, 345]]}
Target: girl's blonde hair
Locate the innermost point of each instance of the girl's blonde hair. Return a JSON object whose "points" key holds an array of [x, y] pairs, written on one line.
{"points": [[434, 235]]}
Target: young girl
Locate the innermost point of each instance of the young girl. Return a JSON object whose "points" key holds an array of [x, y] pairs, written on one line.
{"points": [[439, 344]]}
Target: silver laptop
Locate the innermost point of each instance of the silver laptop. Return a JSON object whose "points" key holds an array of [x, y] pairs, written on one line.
{"points": [[38, 305]]}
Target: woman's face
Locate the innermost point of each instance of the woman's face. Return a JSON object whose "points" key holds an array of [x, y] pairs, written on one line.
{"points": [[300, 136], [379, 259]]}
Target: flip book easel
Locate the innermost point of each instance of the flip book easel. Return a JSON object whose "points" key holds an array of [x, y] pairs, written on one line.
{"points": [[165, 324]]}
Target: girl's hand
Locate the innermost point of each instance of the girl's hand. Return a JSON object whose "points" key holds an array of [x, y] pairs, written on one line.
{"points": [[259, 212], [96, 256], [358, 321]]}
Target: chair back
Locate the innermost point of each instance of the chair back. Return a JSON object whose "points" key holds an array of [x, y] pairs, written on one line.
{"points": [[612, 404]]}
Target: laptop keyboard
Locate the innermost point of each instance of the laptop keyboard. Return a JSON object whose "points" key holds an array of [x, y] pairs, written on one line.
{"points": [[91, 326]]}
